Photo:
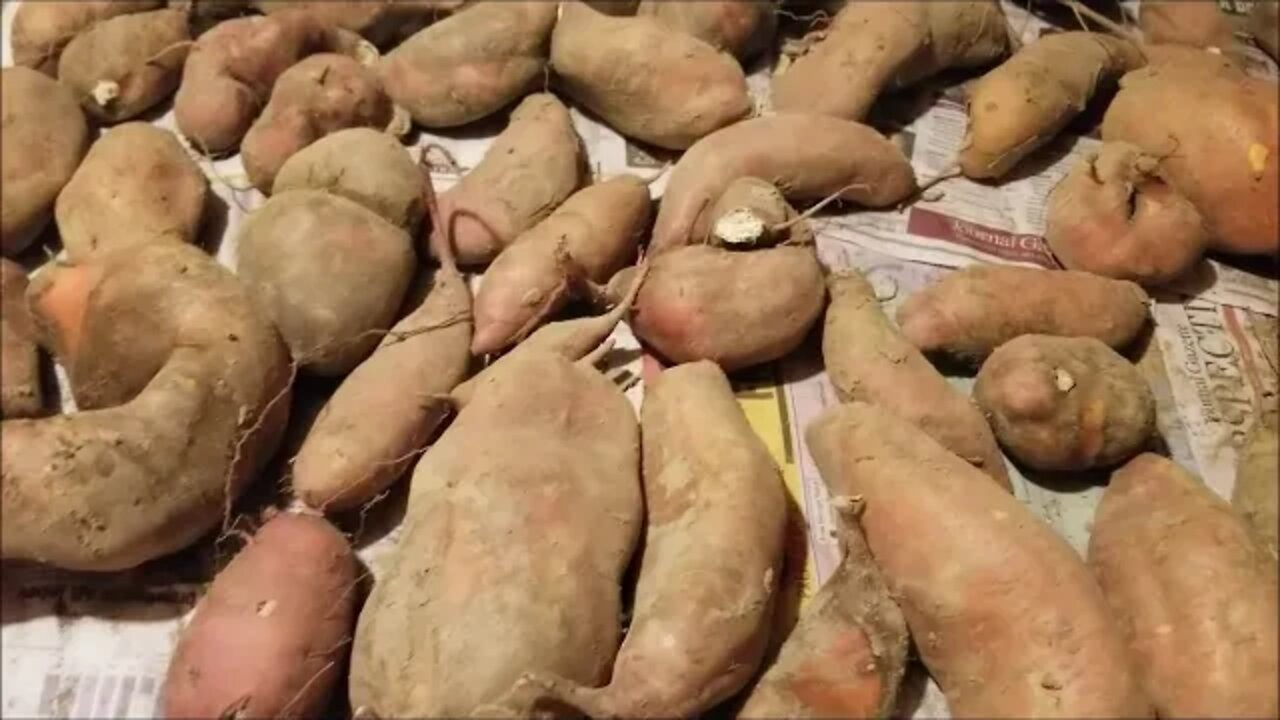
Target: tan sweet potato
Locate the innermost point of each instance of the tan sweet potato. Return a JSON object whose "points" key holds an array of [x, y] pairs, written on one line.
{"points": [[520, 522], [1005, 615], [1113, 216], [531, 167], [735, 308], [595, 233], [137, 186], [1195, 596], [1225, 161], [270, 636], [42, 29], [868, 360], [743, 28], [329, 272], [1258, 482], [970, 312], [712, 556], [847, 654], [123, 66], [753, 212], [1065, 403], [1198, 23], [807, 157], [1025, 102], [44, 138], [320, 95], [874, 46], [21, 393], [183, 389], [647, 82], [472, 64]]}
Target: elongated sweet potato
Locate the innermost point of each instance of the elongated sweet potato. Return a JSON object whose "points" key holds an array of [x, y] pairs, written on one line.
{"points": [[590, 237], [45, 136], [875, 46], [21, 394], [1065, 403], [183, 389], [270, 636], [743, 28], [137, 186], [124, 66], [472, 64], [531, 167], [1022, 104], [1258, 482], [520, 522], [848, 652], [1005, 615], [42, 29], [320, 95], [712, 556], [647, 82], [807, 157], [867, 359], [972, 311], [1112, 216], [1195, 596]]}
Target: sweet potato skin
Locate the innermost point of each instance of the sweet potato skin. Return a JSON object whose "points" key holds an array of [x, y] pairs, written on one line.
{"points": [[972, 311], [1022, 104], [743, 28], [867, 359], [1195, 596], [270, 636], [21, 394], [647, 82], [45, 136], [1201, 24], [1006, 616], [808, 157], [532, 167], [472, 64], [520, 522], [137, 186], [1255, 493], [1065, 403], [42, 29]]}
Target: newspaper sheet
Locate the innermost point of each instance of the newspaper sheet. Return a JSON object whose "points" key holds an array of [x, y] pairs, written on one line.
{"points": [[81, 645]]}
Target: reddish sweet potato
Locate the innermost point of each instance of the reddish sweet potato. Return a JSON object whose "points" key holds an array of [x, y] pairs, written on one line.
{"points": [[1195, 596], [270, 637], [21, 394], [1005, 615]]}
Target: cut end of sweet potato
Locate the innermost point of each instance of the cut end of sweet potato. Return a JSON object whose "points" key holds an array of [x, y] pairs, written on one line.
{"points": [[60, 299]]}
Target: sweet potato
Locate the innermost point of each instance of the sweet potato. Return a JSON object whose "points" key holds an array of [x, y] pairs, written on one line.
{"points": [[42, 29], [232, 68], [752, 212], [848, 652], [807, 157], [712, 556], [647, 82], [972, 311], [1113, 216], [735, 308], [874, 46], [320, 95], [1025, 102], [1224, 162], [1065, 403], [1258, 482], [472, 64], [21, 394], [270, 636], [867, 359], [123, 66], [590, 237], [383, 22], [531, 167], [1202, 24], [44, 138], [742, 28], [329, 272], [1005, 615], [183, 389], [137, 186], [363, 165], [520, 522], [1195, 596], [1263, 24]]}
